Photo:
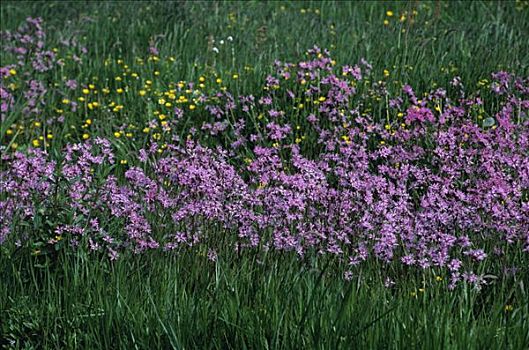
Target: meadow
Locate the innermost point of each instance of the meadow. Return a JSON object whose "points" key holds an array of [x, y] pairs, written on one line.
{"points": [[264, 175]]}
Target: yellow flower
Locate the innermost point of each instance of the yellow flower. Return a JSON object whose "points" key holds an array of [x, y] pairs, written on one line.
{"points": [[119, 90], [86, 136], [235, 76], [386, 73], [123, 161], [142, 92], [12, 71], [192, 107], [91, 86], [386, 22], [49, 136], [9, 132], [117, 134], [37, 124], [509, 308], [219, 81], [86, 91], [146, 130], [389, 13], [438, 278], [65, 101], [35, 143], [201, 79]]}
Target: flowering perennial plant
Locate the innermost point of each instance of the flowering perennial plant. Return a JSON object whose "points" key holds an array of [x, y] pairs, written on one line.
{"points": [[306, 166]]}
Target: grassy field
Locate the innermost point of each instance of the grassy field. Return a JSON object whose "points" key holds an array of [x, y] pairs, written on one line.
{"points": [[55, 296]]}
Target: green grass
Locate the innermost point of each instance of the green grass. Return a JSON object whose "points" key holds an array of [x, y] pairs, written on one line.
{"points": [[248, 301], [475, 38], [266, 300]]}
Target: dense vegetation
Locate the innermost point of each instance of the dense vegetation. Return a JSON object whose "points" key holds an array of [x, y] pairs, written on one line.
{"points": [[273, 175]]}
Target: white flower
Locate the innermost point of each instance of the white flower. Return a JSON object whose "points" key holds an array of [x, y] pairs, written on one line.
{"points": [[230, 38], [221, 42], [216, 50]]}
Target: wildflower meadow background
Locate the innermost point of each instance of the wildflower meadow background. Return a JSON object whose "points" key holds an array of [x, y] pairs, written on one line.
{"points": [[264, 175]]}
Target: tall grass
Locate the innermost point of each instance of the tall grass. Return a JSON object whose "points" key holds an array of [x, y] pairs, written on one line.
{"points": [[265, 300]]}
